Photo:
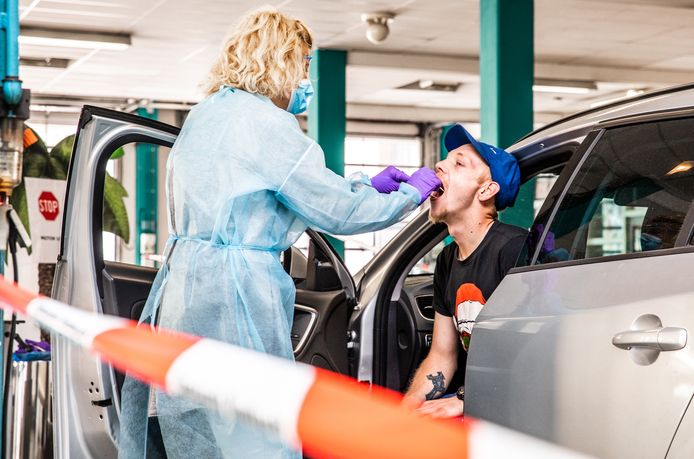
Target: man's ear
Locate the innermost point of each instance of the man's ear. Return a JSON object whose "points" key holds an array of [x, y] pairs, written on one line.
{"points": [[488, 191]]}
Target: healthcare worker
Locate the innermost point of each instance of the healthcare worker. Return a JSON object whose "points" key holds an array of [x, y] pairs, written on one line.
{"points": [[243, 183]]}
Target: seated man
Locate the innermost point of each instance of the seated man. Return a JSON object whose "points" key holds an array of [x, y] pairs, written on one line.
{"points": [[478, 180]]}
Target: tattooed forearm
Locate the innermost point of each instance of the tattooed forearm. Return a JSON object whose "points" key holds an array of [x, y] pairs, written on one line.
{"points": [[439, 383]]}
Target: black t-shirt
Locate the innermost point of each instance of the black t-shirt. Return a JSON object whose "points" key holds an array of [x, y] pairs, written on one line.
{"points": [[461, 288]]}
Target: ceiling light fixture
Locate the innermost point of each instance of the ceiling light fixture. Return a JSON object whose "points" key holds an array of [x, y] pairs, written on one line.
{"points": [[44, 62], [564, 86], [377, 25], [73, 38], [431, 85], [54, 108], [425, 84]]}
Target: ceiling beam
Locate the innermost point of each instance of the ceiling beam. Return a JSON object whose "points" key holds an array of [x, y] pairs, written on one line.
{"points": [[356, 111], [470, 66]]}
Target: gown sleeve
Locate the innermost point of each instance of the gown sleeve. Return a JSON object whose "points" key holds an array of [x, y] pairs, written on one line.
{"points": [[330, 203]]}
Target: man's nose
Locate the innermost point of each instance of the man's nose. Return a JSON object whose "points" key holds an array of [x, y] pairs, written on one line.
{"points": [[439, 166]]}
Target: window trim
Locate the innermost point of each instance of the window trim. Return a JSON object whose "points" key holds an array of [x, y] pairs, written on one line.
{"points": [[604, 259], [687, 231], [572, 170], [680, 247]]}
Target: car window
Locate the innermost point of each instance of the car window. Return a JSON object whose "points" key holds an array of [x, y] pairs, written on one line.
{"points": [[631, 195], [427, 264], [130, 235]]}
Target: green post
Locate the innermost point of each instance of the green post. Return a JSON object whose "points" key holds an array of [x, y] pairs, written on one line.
{"points": [[506, 79], [327, 112], [146, 173]]}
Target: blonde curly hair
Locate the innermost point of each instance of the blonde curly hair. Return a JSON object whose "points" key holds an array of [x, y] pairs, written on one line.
{"points": [[263, 55]]}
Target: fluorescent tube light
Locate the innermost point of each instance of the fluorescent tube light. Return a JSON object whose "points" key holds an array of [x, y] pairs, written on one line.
{"points": [[73, 38], [45, 62], [564, 86], [431, 85]]}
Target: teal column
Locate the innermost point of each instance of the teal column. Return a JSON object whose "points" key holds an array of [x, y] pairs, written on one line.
{"points": [[327, 113], [443, 153], [506, 79], [146, 180]]}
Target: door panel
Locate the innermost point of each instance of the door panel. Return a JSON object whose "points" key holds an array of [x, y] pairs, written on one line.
{"points": [[412, 318], [86, 417], [682, 446], [325, 342], [324, 303], [542, 360], [126, 288]]}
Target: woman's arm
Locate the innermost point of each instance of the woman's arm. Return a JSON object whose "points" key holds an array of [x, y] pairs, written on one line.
{"points": [[333, 204]]}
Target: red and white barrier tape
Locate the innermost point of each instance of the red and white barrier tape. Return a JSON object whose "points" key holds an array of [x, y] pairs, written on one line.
{"points": [[327, 414]]}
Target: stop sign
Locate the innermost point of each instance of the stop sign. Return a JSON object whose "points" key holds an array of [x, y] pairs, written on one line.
{"points": [[48, 205]]}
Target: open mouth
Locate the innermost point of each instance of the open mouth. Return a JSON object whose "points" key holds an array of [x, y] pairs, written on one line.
{"points": [[438, 193]]}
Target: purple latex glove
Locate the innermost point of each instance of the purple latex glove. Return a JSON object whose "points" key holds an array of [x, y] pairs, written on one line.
{"points": [[425, 181], [39, 345], [389, 179]]}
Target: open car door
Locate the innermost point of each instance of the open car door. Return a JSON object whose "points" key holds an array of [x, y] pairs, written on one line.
{"points": [[87, 392]]}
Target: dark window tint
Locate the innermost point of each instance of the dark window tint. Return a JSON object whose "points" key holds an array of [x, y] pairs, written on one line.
{"points": [[631, 195], [548, 185]]}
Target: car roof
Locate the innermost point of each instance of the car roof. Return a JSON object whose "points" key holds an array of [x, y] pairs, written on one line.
{"points": [[676, 97]]}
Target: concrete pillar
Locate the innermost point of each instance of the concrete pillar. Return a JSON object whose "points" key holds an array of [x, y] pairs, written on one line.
{"points": [[326, 114], [506, 78], [146, 178]]}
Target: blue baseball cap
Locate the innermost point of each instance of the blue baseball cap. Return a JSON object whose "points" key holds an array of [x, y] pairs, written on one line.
{"points": [[502, 164]]}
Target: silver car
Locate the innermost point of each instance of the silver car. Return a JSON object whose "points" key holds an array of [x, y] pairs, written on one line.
{"points": [[584, 343]]}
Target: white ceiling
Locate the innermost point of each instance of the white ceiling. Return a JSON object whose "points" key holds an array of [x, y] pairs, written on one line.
{"points": [[621, 44]]}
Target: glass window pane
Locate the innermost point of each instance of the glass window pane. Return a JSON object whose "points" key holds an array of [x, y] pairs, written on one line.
{"points": [[370, 155], [427, 264], [383, 151], [120, 211], [631, 195]]}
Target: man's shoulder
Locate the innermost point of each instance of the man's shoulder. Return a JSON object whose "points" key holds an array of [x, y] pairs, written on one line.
{"points": [[448, 253], [507, 240], [443, 260], [505, 232]]}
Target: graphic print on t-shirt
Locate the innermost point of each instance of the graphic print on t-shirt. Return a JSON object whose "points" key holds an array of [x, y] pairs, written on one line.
{"points": [[469, 301]]}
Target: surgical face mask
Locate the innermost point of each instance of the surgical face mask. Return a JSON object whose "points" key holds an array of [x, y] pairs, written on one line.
{"points": [[300, 98]]}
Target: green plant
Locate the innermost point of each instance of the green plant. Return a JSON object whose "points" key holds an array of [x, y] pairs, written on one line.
{"points": [[39, 163]]}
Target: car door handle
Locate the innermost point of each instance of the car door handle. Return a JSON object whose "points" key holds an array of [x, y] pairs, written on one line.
{"points": [[658, 339]]}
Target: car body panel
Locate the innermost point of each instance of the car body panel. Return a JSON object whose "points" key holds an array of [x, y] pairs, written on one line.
{"points": [[542, 361], [682, 444]]}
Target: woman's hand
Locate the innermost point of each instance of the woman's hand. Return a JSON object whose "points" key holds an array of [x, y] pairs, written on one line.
{"points": [[442, 408], [389, 179], [425, 181]]}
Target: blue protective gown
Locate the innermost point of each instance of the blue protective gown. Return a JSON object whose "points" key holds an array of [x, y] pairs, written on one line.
{"points": [[243, 183]]}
